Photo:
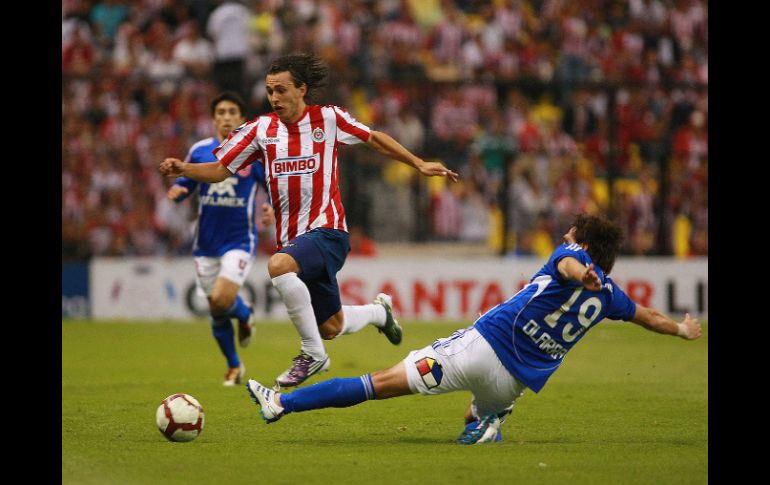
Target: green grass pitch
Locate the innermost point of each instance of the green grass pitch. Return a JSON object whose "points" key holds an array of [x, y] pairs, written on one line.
{"points": [[627, 406]]}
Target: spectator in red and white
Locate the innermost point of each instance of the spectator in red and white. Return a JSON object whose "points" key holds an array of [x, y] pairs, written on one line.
{"points": [[688, 23], [403, 39], [347, 29], [454, 123], [78, 56], [636, 213], [574, 64], [510, 16], [572, 193], [403, 31], [446, 37], [122, 128], [445, 213]]}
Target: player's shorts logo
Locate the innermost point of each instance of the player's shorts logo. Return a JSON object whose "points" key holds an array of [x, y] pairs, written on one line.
{"points": [[319, 135], [430, 371]]}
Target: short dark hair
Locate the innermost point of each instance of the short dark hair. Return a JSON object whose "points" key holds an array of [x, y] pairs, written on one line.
{"points": [[231, 96], [602, 237], [307, 69]]}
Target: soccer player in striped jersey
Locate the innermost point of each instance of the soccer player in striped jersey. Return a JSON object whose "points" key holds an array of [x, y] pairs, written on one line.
{"points": [[226, 235], [297, 144], [516, 345]]}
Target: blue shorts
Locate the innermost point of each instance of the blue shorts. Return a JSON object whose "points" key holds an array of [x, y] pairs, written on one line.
{"points": [[320, 254]]}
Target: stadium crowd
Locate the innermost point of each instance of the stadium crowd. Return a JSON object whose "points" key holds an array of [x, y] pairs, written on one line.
{"points": [[546, 108]]}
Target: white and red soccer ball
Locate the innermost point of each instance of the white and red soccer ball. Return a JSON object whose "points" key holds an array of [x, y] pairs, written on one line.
{"points": [[180, 417]]}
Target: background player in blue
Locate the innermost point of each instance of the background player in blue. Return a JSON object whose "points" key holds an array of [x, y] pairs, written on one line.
{"points": [[516, 345], [226, 235]]}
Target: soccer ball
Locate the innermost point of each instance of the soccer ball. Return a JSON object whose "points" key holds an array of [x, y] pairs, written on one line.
{"points": [[180, 417]]}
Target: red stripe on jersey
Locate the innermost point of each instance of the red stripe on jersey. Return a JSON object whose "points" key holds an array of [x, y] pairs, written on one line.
{"points": [[295, 181], [343, 125], [272, 131], [235, 151], [317, 121], [335, 197]]}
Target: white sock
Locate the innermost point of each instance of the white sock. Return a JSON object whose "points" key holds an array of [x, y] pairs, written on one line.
{"points": [[359, 316], [296, 297]]}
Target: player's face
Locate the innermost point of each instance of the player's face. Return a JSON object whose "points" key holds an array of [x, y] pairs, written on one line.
{"points": [[569, 238], [286, 99], [227, 117]]}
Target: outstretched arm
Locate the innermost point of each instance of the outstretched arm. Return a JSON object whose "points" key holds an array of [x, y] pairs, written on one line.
{"points": [[388, 146], [573, 269], [654, 320], [202, 172]]}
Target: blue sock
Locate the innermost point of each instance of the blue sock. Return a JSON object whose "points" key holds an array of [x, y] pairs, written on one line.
{"points": [[222, 328], [239, 310], [334, 393]]}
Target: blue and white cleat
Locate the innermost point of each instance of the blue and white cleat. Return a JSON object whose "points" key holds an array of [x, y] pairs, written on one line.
{"points": [[485, 430], [392, 329], [502, 415], [269, 410]]}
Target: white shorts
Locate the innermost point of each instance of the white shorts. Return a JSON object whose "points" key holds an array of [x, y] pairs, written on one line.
{"points": [[233, 265], [464, 361]]}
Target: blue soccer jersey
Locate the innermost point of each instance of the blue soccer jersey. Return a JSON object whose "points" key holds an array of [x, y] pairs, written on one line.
{"points": [[225, 209], [532, 331]]}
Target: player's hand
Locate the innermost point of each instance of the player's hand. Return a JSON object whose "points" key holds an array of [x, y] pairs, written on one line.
{"points": [[590, 279], [268, 215], [171, 167], [689, 329], [175, 192], [429, 169]]}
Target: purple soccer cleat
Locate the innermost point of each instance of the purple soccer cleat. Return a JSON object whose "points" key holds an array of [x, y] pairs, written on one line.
{"points": [[303, 367]]}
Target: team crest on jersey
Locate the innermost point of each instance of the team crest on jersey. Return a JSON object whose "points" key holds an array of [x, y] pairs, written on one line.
{"points": [[319, 135], [295, 165], [430, 371]]}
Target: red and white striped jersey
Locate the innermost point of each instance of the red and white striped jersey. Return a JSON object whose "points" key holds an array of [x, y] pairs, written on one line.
{"points": [[300, 161]]}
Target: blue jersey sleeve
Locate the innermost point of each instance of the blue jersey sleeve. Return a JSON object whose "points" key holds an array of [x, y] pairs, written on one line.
{"points": [[259, 175], [198, 153], [189, 184], [564, 251], [621, 306]]}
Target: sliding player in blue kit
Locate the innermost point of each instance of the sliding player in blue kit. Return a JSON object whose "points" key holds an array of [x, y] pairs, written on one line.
{"points": [[516, 345], [226, 235]]}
